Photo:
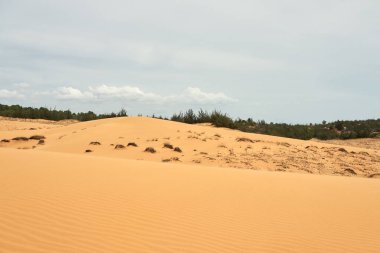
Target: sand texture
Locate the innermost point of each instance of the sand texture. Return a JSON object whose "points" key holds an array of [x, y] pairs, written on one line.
{"points": [[197, 144], [56, 197]]}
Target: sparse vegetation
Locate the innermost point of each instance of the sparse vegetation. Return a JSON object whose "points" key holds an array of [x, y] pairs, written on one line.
{"points": [[5, 140], [41, 142], [150, 150], [96, 143], [348, 129], [119, 146], [168, 145], [132, 144], [244, 139], [20, 139], [88, 151], [175, 159], [37, 137], [350, 171], [343, 150], [177, 149]]}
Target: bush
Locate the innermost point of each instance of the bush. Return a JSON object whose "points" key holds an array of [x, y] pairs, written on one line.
{"points": [[150, 150], [20, 139], [168, 145], [119, 146], [177, 149], [37, 137]]}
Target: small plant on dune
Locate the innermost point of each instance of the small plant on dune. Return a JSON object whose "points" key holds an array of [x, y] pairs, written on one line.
{"points": [[285, 144], [343, 150], [177, 149], [119, 146], [350, 171], [132, 144], [168, 145], [217, 135], [41, 142], [88, 151], [95, 143], [174, 159], [5, 140], [37, 137], [20, 139], [150, 150], [244, 139], [375, 175]]}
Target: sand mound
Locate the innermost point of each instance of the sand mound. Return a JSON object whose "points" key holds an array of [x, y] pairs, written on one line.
{"points": [[195, 144]]}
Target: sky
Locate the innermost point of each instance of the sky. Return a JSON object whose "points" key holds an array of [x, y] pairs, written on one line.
{"points": [[295, 61]]}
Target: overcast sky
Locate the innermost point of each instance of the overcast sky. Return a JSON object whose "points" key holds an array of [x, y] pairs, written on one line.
{"points": [[283, 61]]}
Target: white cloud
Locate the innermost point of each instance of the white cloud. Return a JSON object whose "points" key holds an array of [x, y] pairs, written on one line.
{"points": [[72, 93], [4, 93], [128, 92], [194, 94], [134, 93]]}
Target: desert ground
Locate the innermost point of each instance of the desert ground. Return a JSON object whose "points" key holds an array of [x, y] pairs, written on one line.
{"points": [[138, 184]]}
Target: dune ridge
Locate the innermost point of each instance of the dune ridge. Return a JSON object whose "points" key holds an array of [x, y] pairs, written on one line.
{"points": [[197, 145]]}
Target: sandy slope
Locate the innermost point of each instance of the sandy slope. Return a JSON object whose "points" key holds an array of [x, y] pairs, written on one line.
{"points": [[203, 145], [369, 143], [55, 202]]}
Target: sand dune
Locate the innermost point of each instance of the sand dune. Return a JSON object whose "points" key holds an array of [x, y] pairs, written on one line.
{"points": [[203, 145], [52, 202], [56, 197]]}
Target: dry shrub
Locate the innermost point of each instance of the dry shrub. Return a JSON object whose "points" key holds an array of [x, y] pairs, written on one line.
{"points": [[132, 144], [244, 139], [168, 145], [95, 143], [173, 159], [37, 137], [150, 150], [177, 149], [20, 139], [119, 146], [350, 171], [343, 150]]}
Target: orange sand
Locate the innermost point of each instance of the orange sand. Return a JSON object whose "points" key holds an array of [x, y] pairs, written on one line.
{"points": [[56, 198]]}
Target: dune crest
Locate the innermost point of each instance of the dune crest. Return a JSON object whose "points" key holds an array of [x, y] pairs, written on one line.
{"points": [[194, 144]]}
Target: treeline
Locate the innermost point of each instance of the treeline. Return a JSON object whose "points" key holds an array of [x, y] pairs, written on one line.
{"points": [[17, 111], [348, 129]]}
